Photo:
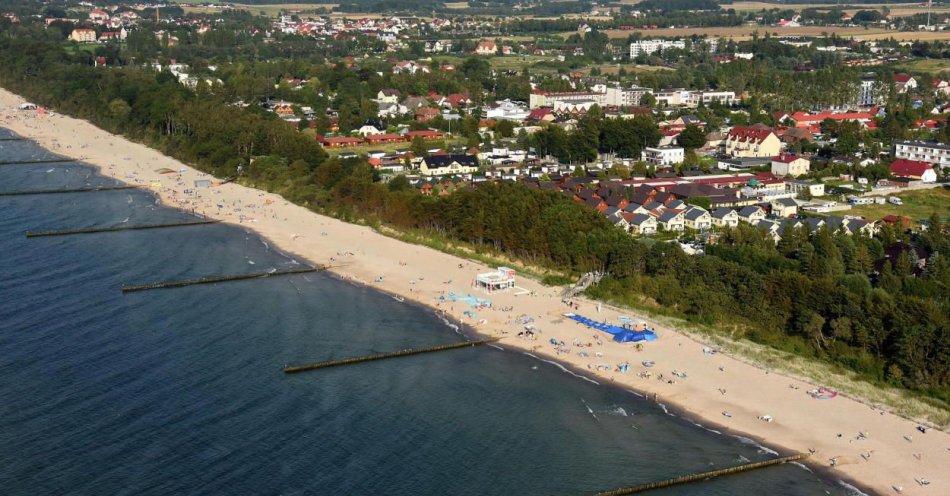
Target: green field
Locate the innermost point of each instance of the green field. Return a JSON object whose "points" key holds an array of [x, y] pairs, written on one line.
{"points": [[933, 66], [271, 10], [918, 205], [501, 62], [389, 147]]}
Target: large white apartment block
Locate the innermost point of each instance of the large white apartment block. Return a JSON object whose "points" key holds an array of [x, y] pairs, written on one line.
{"points": [[671, 97], [680, 97], [625, 97], [662, 155], [923, 151], [694, 98], [866, 96], [652, 46], [544, 99]]}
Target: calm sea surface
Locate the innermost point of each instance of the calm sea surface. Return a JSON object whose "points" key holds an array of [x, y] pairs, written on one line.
{"points": [[180, 391]]}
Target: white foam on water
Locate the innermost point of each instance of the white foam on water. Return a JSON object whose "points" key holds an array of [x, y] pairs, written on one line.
{"points": [[666, 410], [588, 409], [635, 393], [703, 427], [802, 465], [449, 323], [563, 368], [851, 489], [762, 449], [497, 347], [617, 411]]}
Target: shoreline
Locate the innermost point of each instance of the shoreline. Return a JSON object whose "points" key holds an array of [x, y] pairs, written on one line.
{"points": [[797, 427], [469, 332]]}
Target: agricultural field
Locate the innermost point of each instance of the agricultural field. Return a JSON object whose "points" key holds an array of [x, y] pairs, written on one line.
{"points": [[745, 32], [918, 205], [897, 9]]}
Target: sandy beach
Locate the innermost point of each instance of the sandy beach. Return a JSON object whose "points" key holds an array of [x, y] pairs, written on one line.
{"points": [[855, 442]]}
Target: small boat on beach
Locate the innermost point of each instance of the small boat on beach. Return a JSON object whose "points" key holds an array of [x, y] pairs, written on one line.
{"points": [[648, 363]]}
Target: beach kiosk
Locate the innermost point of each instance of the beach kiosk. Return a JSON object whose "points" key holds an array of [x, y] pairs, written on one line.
{"points": [[500, 280]]}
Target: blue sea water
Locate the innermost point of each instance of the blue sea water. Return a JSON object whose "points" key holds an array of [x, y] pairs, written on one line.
{"points": [[180, 391]]}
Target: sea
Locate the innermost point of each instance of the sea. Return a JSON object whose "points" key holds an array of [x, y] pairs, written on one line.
{"points": [[182, 390]]}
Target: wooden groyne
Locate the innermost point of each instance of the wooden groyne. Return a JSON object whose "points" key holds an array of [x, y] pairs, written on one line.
{"points": [[57, 191], [703, 476], [212, 280], [382, 356], [13, 139], [43, 161], [37, 234]]}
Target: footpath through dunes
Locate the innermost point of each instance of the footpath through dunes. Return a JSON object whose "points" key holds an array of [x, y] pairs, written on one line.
{"points": [[713, 384]]}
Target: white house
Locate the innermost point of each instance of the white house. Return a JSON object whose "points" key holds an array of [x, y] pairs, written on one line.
{"points": [[662, 155], [643, 224], [388, 95], [813, 188], [448, 164], [784, 207], [368, 130], [790, 165], [751, 214], [672, 220], [697, 218], [725, 217], [506, 110]]}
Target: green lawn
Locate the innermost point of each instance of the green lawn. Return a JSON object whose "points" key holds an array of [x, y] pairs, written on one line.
{"points": [[917, 205]]}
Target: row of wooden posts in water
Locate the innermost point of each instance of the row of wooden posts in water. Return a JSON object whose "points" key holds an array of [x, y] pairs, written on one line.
{"points": [[344, 361], [39, 161]]}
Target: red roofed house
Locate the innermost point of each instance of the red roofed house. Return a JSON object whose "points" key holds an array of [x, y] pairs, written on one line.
{"points": [[375, 139], [486, 48], [426, 114], [456, 100], [804, 119], [426, 135], [942, 86], [904, 82], [542, 114], [745, 141], [83, 35], [340, 142], [98, 15], [914, 169]]}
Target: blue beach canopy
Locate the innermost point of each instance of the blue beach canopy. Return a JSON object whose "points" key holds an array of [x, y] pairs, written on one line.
{"points": [[620, 334], [634, 336]]}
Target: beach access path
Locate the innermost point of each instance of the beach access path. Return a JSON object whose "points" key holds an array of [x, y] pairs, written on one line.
{"points": [[890, 453]]}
